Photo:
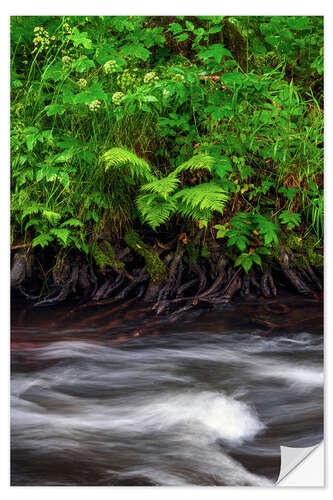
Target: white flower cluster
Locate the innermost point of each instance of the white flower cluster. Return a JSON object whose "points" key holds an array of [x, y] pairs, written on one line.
{"points": [[66, 61], [150, 77], [41, 39], [117, 98], [82, 83], [67, 29], [110, 67], [94, 105], [178, 78], [128, 78]]}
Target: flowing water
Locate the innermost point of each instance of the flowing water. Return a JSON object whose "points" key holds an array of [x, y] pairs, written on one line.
{"points": [[205, 401]]}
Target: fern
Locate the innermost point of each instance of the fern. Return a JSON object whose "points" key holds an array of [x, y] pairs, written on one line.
{"points": [[33, 222], [62, 234], [31, 209], [72, 223], [52, 217], [164, 187], [139, 169], [206, 197], [196, 163], [154, 209], [42, 239]]}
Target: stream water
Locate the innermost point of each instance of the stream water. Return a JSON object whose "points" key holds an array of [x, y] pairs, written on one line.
{"points": [[205, 401]]}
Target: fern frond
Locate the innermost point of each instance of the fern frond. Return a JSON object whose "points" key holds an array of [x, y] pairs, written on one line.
{"points": [[154, 209], [42, 239], [194, 213], [72, 223], [196, 163], [62, 234], [139, 169], [52, 217], [203, 197], [31, 209], [164, 187]]}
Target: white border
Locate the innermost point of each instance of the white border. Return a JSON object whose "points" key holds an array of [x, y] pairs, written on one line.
{"points": [[125, 7]]}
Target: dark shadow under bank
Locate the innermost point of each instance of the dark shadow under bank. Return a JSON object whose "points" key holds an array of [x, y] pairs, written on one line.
{"points": [[134, 318]]}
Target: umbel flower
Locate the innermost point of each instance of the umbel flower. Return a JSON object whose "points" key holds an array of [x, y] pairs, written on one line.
{"points": [[178, 78], [150, 77], [128, 78], [111, 67], [41, 39], [66, 62], [117, 98], [82, 83], [95, 105]]}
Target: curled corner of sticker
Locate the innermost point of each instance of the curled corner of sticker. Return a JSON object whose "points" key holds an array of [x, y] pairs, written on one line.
{"points": [[292, 457]]}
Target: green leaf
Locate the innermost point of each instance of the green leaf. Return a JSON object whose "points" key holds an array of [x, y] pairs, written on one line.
{"points": [[233, 78], [256, 258], [33, 208], [164, 187], [72, 223], [93, 93], [31, 136], [175, 28], [136, 50], [52, 217], [234, 238], [32, 222], [55, 109], [182, 37], [42, 239], [267, 229], [215, 51], [298, 22], [189, 25], [221, 231], [83, 63], [244, 260], [223, 166], [17, 83], [117, 158], [289, 193], [80, 38], [54, 72], [62, 234], [149, 98], [291, 219]]}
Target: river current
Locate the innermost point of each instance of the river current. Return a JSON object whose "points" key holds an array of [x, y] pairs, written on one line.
{"points": [[205, 401]]}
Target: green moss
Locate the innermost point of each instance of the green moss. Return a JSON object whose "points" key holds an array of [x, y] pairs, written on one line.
{"points": [[293, 241], [304, 250], [155, 266], [104, 255], [300, 261], [205, 253], [192, 252], [315, 259]]}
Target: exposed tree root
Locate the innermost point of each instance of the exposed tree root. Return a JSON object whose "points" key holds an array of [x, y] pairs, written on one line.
{"points": [[188, 280]]}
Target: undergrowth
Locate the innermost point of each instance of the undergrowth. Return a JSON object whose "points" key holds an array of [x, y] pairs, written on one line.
{"points": [[128, 126]]}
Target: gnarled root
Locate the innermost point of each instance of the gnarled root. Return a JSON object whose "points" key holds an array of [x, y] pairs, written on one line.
{"points": [[314, 278], [267, 284], [142, 276], [18, 271]]}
